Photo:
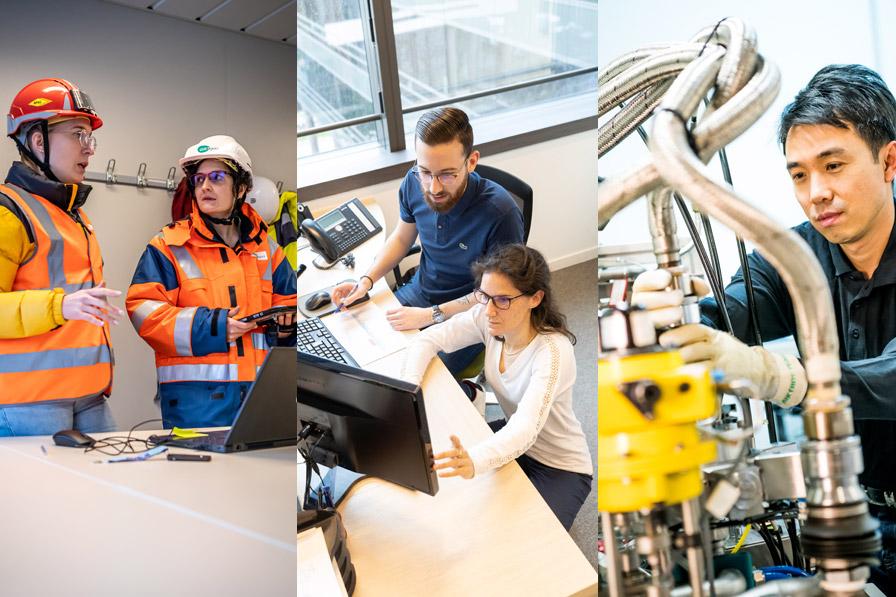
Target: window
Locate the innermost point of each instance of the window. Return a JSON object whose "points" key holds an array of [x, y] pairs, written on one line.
{"points": [[448, 50], [334, 77], [499, 60]]}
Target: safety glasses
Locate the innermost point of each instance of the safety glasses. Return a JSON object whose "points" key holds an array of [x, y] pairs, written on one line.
{"points": [[215, 176]]}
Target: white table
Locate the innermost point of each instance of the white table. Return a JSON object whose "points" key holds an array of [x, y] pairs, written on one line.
{"points": [[75, 527]]}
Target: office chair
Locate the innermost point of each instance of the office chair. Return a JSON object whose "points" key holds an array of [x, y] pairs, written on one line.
{"points": [[520, 192]]}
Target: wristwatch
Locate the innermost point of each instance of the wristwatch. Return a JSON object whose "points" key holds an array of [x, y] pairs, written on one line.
{"points": [[437, 315]]}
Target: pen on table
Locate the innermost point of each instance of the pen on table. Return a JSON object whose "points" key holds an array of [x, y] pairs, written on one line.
{"points": [[142, 456], [302, 268], [343, 305]]}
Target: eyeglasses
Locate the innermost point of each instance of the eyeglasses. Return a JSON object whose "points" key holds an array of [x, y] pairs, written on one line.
{"points": [[85, 138], [216, 176], [501, 302], [445, 179]]}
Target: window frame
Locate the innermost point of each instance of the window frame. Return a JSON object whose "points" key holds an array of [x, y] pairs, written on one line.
{"points": [[391, 160]]}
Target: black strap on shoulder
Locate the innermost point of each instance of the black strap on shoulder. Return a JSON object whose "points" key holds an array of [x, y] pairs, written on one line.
{"points": [[13, 207]]}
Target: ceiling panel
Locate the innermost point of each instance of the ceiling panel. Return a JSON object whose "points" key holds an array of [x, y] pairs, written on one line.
{"points": [[269, 19], [184, 9], [281, 25]]}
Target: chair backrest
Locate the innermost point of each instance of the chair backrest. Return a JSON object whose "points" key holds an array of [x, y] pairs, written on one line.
{"points": [[520, 191]]}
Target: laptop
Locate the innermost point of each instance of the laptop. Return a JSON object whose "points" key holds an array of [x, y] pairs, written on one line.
{"points": [[266, 418]]}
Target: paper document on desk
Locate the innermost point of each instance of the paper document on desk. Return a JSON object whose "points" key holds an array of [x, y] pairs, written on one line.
{"points": [[317, 575], [365, 333]]}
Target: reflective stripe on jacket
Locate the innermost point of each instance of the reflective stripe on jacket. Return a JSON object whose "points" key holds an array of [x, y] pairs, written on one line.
{"points": [[179, 297], [73, 360]]}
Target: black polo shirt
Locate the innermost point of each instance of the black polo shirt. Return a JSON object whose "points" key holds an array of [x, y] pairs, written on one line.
{"points": [[866, 328]]}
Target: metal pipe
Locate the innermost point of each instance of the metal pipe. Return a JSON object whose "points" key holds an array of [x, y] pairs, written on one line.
{"points": [[690, 518], [816, 324], [614, 580], [661, 221], [645, 74], [630, 117], [727, 583], [740, 59], [627, 61], [711, 134]]}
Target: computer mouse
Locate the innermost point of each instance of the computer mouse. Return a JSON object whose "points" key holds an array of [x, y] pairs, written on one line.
{"points": [[317, 300], [72, 438]]}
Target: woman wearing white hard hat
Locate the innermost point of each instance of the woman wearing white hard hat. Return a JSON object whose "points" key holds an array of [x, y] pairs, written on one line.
{"points": [[195, 281]]}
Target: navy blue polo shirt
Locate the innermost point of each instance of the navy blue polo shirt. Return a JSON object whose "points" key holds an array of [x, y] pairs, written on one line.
{"points": [[484, 218]]}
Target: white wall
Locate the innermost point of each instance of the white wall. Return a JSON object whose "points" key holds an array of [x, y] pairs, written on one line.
{"points": [[563, 177], [160, 84], [800, 37]]}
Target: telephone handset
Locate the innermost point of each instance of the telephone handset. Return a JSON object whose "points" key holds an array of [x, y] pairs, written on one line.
{"points": [[335, 234]]}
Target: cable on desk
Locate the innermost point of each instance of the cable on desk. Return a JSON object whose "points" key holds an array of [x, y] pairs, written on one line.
{"points": [[116, 445], [322, 495]]}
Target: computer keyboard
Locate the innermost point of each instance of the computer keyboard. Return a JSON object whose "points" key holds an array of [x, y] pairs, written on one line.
{"points": [[314, 338]]}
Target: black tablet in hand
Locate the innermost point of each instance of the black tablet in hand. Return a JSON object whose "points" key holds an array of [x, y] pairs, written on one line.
{"points": [[267, 314]]}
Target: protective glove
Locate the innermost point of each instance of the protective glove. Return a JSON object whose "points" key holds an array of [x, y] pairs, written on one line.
{"points": [[780, 378], [651, 291]]}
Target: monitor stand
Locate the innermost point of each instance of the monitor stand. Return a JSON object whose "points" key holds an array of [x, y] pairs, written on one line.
{"points": [[337, 482]]}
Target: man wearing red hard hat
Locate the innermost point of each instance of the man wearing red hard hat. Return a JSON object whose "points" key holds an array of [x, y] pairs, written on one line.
{"points": [[55, 346]]}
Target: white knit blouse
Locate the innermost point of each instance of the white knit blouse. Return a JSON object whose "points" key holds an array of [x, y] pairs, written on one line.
{"points": [[535, 392]]}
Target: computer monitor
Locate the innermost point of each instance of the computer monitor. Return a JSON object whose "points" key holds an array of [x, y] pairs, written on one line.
{"points": [[366, 423]]}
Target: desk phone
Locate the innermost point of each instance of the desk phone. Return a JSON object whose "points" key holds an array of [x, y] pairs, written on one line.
{"points": [[336, 233]]}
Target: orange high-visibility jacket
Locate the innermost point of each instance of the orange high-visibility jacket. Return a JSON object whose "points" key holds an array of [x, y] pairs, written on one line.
{"points": [[184, 285], [73, 360]]}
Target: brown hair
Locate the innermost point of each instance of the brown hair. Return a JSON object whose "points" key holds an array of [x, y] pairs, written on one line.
{"points": [[444, 125], [527, 269]]}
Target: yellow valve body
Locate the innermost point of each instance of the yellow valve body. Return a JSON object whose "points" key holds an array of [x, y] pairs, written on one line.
{"points": [[642, 462]]}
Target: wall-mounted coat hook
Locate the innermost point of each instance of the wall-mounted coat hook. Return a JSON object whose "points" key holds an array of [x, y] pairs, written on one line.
{"points": [[141, 175], [169, 182], [110, 172]]}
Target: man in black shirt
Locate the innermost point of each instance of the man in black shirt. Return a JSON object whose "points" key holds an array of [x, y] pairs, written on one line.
{"points": [[839, 141]]}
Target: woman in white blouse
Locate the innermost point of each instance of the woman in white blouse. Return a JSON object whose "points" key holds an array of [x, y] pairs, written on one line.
{"points": [[529, 362]]}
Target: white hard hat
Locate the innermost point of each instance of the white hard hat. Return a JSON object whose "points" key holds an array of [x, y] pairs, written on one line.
{"points": [[264, 198], [217, 147]]}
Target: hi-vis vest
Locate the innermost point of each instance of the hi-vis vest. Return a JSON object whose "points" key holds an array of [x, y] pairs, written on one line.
{"points": [[74, 360], [284, 229], [186, 324]]}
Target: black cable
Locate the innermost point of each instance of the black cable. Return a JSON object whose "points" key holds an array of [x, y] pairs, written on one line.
{"points": [[323, 498], [770, 544], [744, 262], [779, 541], [761, 518], [119, 444], [714, 254], [795, 546], [753, 322]]}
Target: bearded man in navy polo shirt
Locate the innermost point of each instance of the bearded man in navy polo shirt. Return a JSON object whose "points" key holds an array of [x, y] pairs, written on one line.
{"points": [[458, 217]]}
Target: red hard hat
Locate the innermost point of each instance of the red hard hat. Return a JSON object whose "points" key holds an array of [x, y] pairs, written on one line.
{"points": [[49, 98]]}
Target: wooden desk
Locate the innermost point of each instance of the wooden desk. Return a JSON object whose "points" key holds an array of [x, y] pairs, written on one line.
{"points": [[76, 527], [492, 535]]}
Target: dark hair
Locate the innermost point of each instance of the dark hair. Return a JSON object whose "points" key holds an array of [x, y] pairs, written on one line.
{"points": [[529, 273], [841, 95], [444, 125]]}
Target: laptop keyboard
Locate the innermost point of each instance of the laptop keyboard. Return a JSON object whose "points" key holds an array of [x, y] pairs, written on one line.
{"points": [[314, 338]]}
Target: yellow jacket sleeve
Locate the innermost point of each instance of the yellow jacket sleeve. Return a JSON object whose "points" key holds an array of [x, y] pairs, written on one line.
{"points": [[23, 313]]}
